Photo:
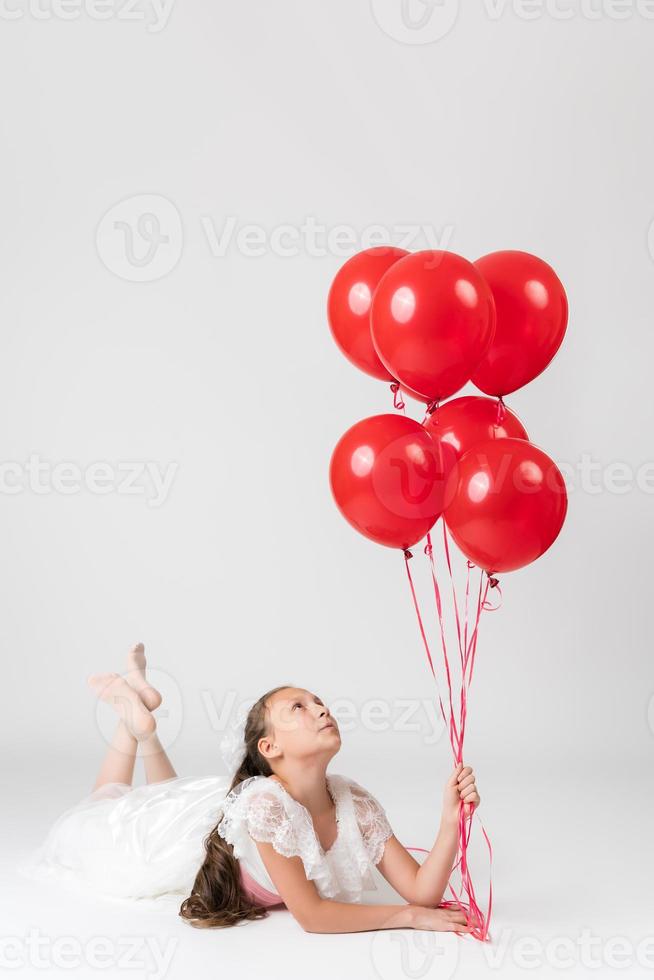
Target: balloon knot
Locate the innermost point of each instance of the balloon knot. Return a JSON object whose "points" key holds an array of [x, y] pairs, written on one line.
{"points": [[407, 554], [432, 406], [493, 582], [398, 401]]}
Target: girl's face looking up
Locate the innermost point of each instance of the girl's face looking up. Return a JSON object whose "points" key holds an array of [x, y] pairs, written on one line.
{"points": [[300, 727]]}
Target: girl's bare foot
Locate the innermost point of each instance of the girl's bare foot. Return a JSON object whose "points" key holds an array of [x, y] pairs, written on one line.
{"points": [[135, 677], [115, 690]]}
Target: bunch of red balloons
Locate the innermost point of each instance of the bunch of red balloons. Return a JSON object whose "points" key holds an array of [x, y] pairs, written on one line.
{"points": [[429, 322]]}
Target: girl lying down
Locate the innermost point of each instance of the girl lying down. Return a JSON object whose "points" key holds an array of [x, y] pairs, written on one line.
{"points": [[282, 833]]}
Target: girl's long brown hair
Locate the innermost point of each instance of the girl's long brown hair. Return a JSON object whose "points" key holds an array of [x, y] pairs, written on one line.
{"points": [[217, 898]]}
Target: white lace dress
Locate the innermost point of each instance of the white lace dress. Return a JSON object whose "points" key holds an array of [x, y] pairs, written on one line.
{"points": [[148, 841]]}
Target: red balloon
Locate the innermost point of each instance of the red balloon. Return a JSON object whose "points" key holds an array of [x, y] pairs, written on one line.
{"points": [[432, 319], [348, 306], [416, 394], [462, 422], [508, 505], [386, 479], [532, 315]]}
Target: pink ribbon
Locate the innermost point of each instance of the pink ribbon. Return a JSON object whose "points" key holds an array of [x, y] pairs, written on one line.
{"points": [[477, 919]]}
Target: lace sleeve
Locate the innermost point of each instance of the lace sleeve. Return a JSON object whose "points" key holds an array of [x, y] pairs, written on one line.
{"points": [[261, 810], [373, 822], [267, 821]]}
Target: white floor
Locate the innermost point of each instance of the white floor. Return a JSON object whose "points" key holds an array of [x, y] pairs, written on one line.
{"points": [[572, 879]]}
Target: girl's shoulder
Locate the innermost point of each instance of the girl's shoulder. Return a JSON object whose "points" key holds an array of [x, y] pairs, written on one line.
{"points": [[260, 795], [373, 823], [359, 792]]}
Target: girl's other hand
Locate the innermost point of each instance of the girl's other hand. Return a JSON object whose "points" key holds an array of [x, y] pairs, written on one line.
{"points": [[460, 786], [437, 920]]}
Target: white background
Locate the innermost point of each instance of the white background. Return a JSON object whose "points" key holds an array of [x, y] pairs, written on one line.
{"points": [[517, 128]]}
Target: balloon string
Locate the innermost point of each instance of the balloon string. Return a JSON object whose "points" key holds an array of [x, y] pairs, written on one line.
{"points": [[456, 605], [494, 584], [501, 410], [407, 557], [477, 920], [398, 401], [469, 565], [431, 408], [455, 739], [471, 913]]}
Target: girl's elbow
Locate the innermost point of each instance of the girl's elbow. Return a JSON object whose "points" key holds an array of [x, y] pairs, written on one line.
{"points": [[428, 900], [310, 918]]}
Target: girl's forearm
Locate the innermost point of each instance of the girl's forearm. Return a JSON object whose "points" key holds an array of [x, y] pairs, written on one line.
{"points": [[328, 916], [434, 872]]}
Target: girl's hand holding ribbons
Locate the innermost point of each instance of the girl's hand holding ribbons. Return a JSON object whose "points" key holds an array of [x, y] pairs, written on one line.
{"points": [[460, 787]]}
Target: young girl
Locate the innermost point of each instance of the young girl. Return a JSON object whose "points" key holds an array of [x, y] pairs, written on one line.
{"points": [[282, 832]]}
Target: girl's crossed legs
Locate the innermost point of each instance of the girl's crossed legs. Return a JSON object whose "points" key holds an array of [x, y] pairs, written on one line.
{"points": [[134, 701]]}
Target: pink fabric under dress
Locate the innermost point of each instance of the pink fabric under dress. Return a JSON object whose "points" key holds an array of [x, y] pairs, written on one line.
{"points": [[148, 841], [256, 892]]}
